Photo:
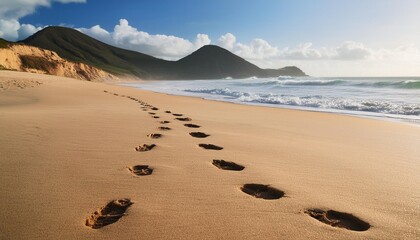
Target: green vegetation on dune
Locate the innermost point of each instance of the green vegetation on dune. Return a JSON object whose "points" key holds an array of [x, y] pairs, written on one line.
{"points": [[4, 43], [208, 62]]}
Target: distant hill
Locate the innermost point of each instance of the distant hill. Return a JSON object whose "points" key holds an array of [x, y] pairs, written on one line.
{"points": [[208, 62]]}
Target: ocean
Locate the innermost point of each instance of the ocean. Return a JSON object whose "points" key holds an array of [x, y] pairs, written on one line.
{"points": [[396, 98]]}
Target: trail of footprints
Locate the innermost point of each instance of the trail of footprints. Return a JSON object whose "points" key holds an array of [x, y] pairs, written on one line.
{"points": [[116, 209]]}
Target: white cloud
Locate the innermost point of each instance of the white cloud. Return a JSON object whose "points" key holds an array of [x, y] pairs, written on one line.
{"points": [[302, 51], [13, 30], [97, 32], [227, 41], [12, 10], [352, 51], [201, 40], [159, 45], [15, 9], [348, 50], [257, 49]]}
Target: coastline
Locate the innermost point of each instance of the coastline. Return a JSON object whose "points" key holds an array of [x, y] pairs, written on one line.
{"points": [[66, 147], [367, 115]]}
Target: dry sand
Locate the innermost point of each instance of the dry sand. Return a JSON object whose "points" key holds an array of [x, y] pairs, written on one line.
{"points": [[66, 146]]}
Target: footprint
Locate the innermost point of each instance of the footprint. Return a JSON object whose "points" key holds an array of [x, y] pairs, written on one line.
{"points": [[164, 128], [154, 135], [177, 114], [186, 119], [109, 214], [156, 117], [140, 170], [190, 125], [164, 122], [222, 164], [167, 111], [262, 191], [145, 147], [155, 108], [152, 113], [210, 146], [338, 219], [199, 134]]}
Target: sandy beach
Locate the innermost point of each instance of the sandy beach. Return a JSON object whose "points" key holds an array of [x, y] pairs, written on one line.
{"points": [[66, 147]]}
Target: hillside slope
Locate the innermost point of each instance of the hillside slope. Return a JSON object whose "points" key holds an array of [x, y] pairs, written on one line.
{"points": [[25, 58]]}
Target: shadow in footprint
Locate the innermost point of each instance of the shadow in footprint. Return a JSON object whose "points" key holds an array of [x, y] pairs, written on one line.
{"points": [[164, 122], [190, 125], [156, 117], [186, 119], [145, 147], [167, 111], [199, 134], [338, 219], [109, 214], [140, 170], [262, 191], [177, 114], [210, 146], [154, 135], [164, 128], [155, 108], [152, 113], [222, 164]]}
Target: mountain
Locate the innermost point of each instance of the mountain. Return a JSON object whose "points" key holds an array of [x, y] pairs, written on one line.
{"points": [[208, 62]]}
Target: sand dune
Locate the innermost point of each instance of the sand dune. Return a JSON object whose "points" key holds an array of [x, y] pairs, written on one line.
{"points": [[70, 169]]}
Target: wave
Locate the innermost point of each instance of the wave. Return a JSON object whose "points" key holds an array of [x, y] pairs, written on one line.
{"points": [[284, 82], [408, 84], [313, 82], [314, 101]]}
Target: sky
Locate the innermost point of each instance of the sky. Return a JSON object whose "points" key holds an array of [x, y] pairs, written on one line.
{"points": [[323, 37]]}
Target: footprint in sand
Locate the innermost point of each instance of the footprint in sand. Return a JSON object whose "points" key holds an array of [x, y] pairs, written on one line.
{"points": [[262, 191], [109, 214], [210, 146], [338, 219], [222, 164], [145, 147], [140, 170], [155, 108], [199, 134], [154, 135], [164, 128], [185, 119], [156, 117], [164, 122], [167, 111], [152, 113], [177, 114], [191, 125]]}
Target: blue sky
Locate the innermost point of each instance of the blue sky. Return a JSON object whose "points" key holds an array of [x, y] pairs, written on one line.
{"points": [[324, 37]]}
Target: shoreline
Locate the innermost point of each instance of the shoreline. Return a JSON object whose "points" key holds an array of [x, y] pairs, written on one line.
{"points": [[396, 119], [68, 148]]}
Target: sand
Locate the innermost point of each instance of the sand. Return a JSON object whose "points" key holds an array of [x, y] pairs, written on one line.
{"points": [[66, 147]]}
